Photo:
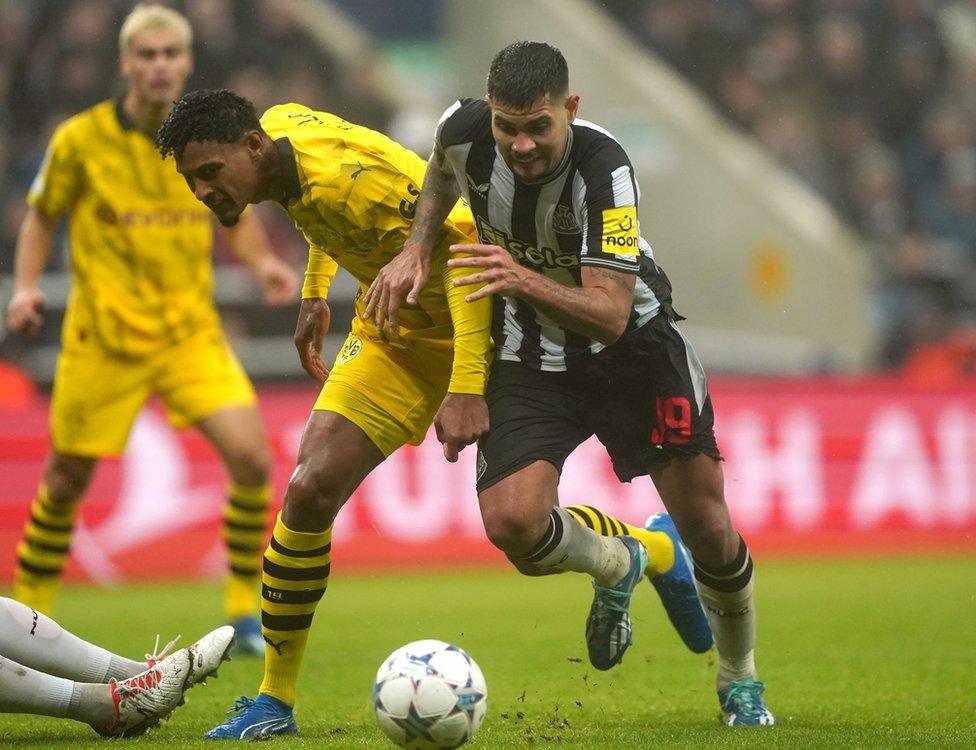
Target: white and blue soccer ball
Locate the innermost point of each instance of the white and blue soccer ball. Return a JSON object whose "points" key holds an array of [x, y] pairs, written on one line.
{"points": [[429, 695]]}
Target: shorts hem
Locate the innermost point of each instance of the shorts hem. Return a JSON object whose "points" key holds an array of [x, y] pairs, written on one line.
{"points": [[87, 451], [181, 421], [357, 419], [494, 479], [659, 457]]}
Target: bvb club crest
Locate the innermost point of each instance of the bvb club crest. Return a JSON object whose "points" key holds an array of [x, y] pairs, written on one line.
{"points": [[350, 349]]}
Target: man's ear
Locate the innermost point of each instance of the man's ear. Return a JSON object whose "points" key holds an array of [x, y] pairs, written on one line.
{"points": [[254, 143], [572, 106]]}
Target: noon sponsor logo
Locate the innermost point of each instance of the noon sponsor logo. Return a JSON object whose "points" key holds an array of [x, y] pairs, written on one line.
{"points": [[620, 231]]}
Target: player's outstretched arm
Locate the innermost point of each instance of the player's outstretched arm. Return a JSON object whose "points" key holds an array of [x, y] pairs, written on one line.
{"points": [[599, 309], [313, 324], [250, 243], [463, 415], [407, 273], [25, 311]]}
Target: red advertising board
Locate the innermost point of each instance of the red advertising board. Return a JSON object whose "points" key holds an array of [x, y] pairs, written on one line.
{"points": [[812, 466]]}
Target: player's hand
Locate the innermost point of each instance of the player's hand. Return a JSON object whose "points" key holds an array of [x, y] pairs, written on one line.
{"points": [[25, 313], [277, 280], [461, 420], [406, 274], [313, 322], [497, 270]]}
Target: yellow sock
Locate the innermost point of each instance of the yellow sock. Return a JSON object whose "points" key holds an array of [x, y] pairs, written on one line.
{"points": [[660, 549], [245, 524], [296, 575], [42, 552]]}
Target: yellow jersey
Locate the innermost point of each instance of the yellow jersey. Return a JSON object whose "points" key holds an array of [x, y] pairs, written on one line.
{"points": [[140, 242], [351, 192]]}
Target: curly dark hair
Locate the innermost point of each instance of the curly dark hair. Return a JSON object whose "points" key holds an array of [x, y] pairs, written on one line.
{"points": [[524, 72], [206, 115]]}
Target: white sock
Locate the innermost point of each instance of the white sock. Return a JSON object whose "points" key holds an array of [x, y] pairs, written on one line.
{"points": [[37, 641], [569, 545], [26, 691], [726, 595]]}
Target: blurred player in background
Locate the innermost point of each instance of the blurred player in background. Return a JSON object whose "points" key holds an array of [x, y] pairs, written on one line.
{"points": [[586, 343], [351, 191], [46, 670], [140, 317]]}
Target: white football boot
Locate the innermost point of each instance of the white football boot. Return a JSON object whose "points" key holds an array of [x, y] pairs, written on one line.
{"points": [[141, 702], [206, 655]]}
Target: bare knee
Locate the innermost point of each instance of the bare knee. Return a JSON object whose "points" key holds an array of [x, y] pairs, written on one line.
{"points": [[313, 498], [249, 464], [511, 529], [711, 537], [67, 477]]}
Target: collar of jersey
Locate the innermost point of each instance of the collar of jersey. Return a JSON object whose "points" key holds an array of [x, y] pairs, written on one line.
{"points": [[289, 170], [560, 168], [126, 123]]}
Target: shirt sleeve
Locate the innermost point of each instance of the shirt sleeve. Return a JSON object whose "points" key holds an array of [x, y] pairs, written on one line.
{"points": [[607, 206], [472, 330], [319, 272], [60, 178]]}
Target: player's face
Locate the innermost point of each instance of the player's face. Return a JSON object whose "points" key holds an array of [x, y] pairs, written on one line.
{"points": [[532, 140], [156, 65], [222, 176]]}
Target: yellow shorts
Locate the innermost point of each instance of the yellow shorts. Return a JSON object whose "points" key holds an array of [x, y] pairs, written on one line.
{"points": [[97, 395], [389, 390]]}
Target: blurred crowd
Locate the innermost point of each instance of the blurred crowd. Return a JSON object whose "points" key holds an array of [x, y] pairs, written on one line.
{"points": [[58, 57], [873, 104]]}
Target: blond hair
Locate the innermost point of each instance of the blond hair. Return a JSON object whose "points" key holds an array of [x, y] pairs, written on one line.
{"points": [[146, 17]]}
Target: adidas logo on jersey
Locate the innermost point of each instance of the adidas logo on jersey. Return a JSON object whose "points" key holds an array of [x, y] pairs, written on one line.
{"points": [[481, 189], [564, 222]]}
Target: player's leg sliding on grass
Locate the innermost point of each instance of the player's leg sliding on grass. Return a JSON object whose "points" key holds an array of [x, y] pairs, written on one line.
{"points": [[31, 637], [48, 671]]}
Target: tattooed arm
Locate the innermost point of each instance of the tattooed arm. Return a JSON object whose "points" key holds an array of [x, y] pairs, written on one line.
{"points": [[408, 271], [599, 309]]}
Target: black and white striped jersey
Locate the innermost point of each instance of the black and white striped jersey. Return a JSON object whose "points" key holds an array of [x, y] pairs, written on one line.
{"points": [[582, 214]]}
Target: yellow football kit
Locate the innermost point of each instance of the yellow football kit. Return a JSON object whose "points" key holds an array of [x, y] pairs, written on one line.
{"points": [[351, 191], [140, 315]]}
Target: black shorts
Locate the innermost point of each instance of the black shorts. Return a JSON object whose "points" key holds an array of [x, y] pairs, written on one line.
{"points": [[645, 399]]}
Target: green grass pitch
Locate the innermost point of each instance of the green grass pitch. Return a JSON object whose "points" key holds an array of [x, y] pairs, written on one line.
{"points": [[855, 653]]}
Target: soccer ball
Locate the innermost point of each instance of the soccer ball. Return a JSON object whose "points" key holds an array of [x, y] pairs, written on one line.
{"points": [[429, 695]]}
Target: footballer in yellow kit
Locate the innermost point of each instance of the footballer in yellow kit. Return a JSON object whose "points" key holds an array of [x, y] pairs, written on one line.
{"points": [[351, 191], [140, 317]]}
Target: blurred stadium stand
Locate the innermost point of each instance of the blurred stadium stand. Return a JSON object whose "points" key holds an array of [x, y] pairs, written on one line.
{"points": [[809, 169], [58, 57]]}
